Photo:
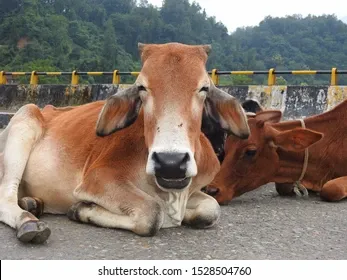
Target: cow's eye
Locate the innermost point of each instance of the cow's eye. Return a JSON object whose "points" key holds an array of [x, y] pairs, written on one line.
{"points": [[141, 88], [249, 153], [203, 89]]}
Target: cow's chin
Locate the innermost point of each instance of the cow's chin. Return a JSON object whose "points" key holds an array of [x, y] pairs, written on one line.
{"points": [[173, 185]]}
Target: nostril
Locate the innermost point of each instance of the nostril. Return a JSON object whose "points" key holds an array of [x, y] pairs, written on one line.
{"points": [[183, 165], [185, 158], [155, 157], [212, 191]]}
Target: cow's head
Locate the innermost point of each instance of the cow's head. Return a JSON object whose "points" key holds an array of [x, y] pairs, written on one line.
{"points": [[253, 162], [174, 89]]}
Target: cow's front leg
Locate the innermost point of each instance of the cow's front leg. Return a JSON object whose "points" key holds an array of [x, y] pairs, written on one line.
{"points": [[117, 206], [203, 211]]}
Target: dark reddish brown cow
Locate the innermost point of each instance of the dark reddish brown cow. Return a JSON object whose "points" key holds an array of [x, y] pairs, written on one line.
{"points": [[275, 152]]}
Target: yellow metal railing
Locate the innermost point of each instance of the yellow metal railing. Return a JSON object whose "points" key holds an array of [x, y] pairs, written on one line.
{"points": [[272, 74], [214, 73], [34, 75]]}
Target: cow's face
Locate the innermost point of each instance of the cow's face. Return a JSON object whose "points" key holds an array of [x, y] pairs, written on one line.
{"points": [[174, 89], [253, 162]]}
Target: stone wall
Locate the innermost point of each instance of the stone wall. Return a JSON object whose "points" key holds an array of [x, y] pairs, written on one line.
{"points": [[293, 101]]}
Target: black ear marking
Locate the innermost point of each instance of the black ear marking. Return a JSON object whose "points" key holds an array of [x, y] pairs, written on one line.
{"points": [[210, 111], [214, 133], [252, 106]]}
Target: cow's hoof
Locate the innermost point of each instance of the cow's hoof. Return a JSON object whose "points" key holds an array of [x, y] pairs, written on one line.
{"points": [[74, 211], [203, 222], [34, 232], [33, 205]]}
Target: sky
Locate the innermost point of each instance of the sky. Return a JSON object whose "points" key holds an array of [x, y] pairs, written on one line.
{"points": [[234, 14]]}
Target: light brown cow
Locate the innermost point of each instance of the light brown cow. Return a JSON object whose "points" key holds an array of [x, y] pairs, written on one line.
{"points": [[136, 161], [309, 153]]}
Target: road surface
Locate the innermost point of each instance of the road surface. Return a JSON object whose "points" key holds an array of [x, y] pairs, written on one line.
{"points": [[257, 225]]}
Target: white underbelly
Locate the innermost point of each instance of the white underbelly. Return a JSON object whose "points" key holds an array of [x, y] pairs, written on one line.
{"points": [[50, 177]]}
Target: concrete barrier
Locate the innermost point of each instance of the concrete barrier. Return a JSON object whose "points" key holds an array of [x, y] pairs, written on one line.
{"points": [[293, 101]]}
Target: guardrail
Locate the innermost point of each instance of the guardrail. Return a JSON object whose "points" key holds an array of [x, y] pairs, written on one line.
{"points": [[214, 73]]}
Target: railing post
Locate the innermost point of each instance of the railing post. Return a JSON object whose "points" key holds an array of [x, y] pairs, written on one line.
{"points": [[333, 81], [272, 77], [74, 78], [116, 77], [34, 78], [215, 77], [3, 79]]}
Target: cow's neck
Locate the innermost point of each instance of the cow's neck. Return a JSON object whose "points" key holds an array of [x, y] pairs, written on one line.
{"points": [[290, 166], [291, 163]]}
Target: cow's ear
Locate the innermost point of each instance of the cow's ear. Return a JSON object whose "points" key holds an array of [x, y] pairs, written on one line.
{"points": [[119, 111], [296, 139], [227, 111]]}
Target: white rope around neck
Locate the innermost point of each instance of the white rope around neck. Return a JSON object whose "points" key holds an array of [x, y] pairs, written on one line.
{"points": [[298, 186]]}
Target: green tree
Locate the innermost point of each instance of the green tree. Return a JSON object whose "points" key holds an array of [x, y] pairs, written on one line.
{"points": [[93, 35], [281, 81], [241, 80], [110, 47]]}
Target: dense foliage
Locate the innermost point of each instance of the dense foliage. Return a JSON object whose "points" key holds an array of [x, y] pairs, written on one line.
{"points": [[92, 35]]}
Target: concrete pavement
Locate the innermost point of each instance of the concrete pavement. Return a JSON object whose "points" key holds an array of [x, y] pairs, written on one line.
{"points": [[257, 225]]}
